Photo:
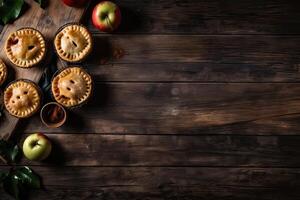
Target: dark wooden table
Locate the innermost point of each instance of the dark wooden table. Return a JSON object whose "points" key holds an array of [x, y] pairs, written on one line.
{"points": [[195, 99]]}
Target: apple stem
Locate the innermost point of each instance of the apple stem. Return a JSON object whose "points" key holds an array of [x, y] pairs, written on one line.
{"points": [[109, 23]]}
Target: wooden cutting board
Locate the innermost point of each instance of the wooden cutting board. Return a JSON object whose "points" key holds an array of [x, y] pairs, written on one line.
{"points": [[47, 21]]}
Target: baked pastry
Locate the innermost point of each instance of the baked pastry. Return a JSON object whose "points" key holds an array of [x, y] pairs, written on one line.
{"points": [[25, 47], [72, 86], [3, 72], [22, 98], [73, 43]]}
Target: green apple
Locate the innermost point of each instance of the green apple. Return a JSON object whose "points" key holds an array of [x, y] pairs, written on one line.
{"points": [[37, 147]]}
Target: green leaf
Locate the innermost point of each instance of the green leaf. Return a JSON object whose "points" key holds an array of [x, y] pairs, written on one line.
{"points": [[17, 182], [3, 175], [14, 153], [10, 10], [17, 187], [45, 81], [41, 2], [12, 186], [9, 151], [29, 177]]}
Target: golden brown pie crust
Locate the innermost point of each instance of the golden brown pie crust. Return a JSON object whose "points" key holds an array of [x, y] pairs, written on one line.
{"points": [[73, 43], [25, 47], [3, 72], [22, 98], [72, 86]]}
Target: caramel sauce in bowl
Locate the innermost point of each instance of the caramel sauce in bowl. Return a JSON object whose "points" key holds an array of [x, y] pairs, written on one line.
{"points": [[53, 115]]}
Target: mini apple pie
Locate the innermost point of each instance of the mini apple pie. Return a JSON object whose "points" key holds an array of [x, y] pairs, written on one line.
{"points": [[72, 86], [73, 43], [3, 72], [22, 98], [25, 48]]}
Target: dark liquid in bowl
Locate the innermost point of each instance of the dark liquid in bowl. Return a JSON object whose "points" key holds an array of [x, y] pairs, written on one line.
{"points": [[53, 114]]}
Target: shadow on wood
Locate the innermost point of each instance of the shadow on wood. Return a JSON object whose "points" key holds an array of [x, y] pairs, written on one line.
{"points": [[57, 156], [131, 20], [102, 52]]}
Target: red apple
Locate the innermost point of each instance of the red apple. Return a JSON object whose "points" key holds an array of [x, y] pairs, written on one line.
{"points": [[75, 3], [106, 16]]}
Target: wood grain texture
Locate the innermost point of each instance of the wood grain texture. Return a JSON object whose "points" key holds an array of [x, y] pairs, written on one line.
{"points": [[158, 150], [148, 176], [163, 192], [196, 72], [182, 108], [169, 183], [145, 49], [47, 22], [194, 99], [209, 17]]}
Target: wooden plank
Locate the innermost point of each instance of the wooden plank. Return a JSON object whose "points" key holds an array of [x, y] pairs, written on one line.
{"points": [[47, 22], [147, 176], [163, 192], [209, 17], [179, 183], [158, 150], [143, 49], [196, 72], [181, 108]]}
